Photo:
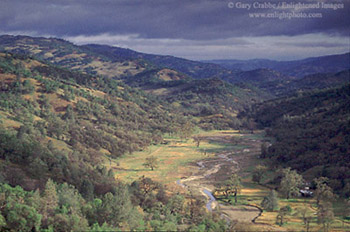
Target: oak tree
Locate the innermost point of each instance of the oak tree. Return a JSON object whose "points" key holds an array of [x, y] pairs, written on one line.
{"points": [[151, 162], [290, 183]]}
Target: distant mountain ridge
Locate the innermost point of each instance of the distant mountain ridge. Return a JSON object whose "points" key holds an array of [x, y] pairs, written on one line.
{"points": [[260, 75], [105, 60], [296, 68], [195, 69], [277, 84]]}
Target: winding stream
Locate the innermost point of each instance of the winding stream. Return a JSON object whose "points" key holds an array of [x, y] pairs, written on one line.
{"points": [[200, 182], [211, 199], [206, 191]]}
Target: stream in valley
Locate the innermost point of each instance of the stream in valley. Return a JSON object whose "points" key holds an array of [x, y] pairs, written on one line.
{"points": [[208, 173]]}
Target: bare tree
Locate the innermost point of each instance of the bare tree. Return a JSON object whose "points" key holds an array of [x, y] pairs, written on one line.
{"points": [[236, 185], [284, 211], [323, 191], [306, 215], [197, 140], [151, 162], [270, 202], [325, 215]]}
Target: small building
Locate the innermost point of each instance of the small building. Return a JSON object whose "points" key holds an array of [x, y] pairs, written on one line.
{"points": [[306, 192]]}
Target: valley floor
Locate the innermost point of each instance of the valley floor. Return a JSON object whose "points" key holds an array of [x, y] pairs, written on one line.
{"points": [[184, 167]]}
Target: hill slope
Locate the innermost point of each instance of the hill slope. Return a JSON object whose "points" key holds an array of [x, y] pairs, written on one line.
{"points": [[312, 133], [68, 55], [78, 114]]}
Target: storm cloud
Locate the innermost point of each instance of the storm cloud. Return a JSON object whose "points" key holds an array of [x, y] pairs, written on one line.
{"points": [[208, 28]]}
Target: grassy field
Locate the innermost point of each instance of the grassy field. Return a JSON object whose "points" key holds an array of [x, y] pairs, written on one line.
{"points": [[176, 159]]}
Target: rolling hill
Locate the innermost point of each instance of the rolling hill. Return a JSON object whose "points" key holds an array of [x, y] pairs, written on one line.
{"points": [[65, 54], [171, 79], [104, 60], [144, 70]]}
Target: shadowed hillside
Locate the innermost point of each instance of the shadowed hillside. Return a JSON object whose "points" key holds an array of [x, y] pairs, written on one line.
{"points": [[312, 134]]}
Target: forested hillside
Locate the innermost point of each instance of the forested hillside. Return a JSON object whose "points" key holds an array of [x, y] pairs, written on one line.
{"points": [[312, 134], [140, 69], [87, 116], [316, 81], [58, 129], [278, 85]]}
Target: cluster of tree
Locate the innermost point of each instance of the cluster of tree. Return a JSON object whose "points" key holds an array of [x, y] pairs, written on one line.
{"points": [[231, 186], [290, 185], [26, 159], [141, 206], [150, 79], [312, 134], [171, 213]]}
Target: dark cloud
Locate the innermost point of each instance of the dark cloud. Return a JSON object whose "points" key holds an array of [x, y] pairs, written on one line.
{"points": [[186, 19], [321, 44], [193, 29]]}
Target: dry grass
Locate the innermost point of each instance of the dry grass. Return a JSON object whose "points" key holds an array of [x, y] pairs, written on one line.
{"points": [[9, 123], [168, 75], [60, 145], [112, 69], [176, 160], [242, 214], [172, 159]]}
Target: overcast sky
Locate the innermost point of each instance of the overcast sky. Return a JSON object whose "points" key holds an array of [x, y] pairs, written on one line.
{"points": [[199, 30]]}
